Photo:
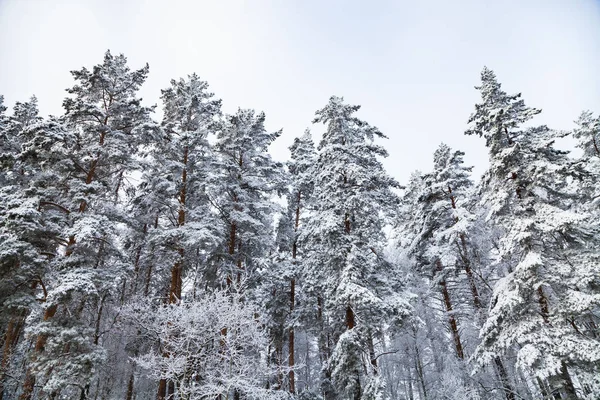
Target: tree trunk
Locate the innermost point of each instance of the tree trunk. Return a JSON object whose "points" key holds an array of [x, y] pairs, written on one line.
{"points": [[130, 386], [162, 390], [420, 374], [451, 319], [291, 361]]}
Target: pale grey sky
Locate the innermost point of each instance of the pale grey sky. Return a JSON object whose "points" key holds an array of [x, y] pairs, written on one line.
{"points": [[411, 65]]}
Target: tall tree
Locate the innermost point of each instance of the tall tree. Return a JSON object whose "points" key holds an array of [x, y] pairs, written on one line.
{"points": [[529, 192], [243, 180], [107, 120], [173, 190], [343, 240]]}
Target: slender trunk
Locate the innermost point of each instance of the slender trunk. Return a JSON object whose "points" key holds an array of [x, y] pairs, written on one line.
{"points": [[419, 368], [176, 280], [231, 249], [291, 361], [465, 258], [130, 385], [84, 392], [119, 182], [451, 319], [596, 146]]}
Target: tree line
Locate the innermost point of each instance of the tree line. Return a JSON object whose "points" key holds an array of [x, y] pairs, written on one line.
{"points": [[175, 259]]}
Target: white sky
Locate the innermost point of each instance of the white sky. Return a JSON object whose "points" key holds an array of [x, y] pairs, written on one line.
{"points": [[411, 65]]}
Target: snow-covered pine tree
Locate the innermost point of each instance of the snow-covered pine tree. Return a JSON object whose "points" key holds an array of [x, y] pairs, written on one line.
{"points": [[242, 182], [433, 224], [541, 301], [281, 287], [343, 241], [172, 196], [30, 222], [106, 120]]}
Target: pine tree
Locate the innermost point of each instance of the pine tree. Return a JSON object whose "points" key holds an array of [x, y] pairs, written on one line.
{"points": [[343, 239], [106, 121], [30, 219], [529, 192], [172, 196], [282, 287], [243, 179]]}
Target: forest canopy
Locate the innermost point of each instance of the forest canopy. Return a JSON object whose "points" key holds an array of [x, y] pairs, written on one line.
{"points": [[174, 258]]}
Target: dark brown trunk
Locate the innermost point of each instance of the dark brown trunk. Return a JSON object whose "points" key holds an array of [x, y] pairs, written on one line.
{"points": [[162, 390], [130, 386], [509, 140], [451, 319], [183, 191], [240, 268], [596, 146], [176, 280], [231, 249], [347, 223], [514, 177], [28, 386], [98, 320], [350, 322], [70, 246]]}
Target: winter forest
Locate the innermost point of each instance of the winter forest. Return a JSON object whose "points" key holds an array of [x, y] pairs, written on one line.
{"points": [[146, 257]]}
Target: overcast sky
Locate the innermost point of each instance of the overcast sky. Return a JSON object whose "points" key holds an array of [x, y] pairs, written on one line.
{"points": [[411, 65]]}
